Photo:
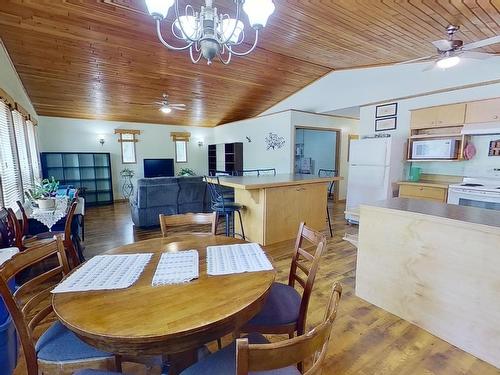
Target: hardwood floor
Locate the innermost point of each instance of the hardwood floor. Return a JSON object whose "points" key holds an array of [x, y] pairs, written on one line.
{"points": [[365, 339]]}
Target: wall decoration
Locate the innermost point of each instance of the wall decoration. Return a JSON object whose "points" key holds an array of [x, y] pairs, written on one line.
{"points": [[274, 142], [494, 148], [386, 110], [248, 139], [384, 124]]}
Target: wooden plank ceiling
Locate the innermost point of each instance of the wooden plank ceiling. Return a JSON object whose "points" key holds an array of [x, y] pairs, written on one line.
{"points": [[102, 59]]}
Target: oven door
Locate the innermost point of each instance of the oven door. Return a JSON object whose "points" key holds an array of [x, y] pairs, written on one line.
{"points": [[472, 198]]}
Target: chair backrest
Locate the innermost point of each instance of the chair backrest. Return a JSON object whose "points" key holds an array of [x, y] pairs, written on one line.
{"points": [[308, 264], [7, 235], [15, 228], [314, 344], [213, 187], [69, 218], [328, 173], [267, 172], [31, 303], [169, 221], [25, 220]]}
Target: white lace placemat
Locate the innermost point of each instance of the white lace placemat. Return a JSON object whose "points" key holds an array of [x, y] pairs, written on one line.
{"points": [[106, 272], [177, 268], [229, 259]]}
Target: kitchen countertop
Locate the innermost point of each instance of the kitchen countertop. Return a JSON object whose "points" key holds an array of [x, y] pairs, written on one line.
{"points": [[448, 211], [260, 182], [428, 183]]}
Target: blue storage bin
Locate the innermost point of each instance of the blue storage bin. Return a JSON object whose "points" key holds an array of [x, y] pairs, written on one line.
{"points": [[4, 314], [8, 347]]}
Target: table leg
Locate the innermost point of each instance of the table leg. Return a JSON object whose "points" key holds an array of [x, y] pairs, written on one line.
{"points": [[180, 361]]}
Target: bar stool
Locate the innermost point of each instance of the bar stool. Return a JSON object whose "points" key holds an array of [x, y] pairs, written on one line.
{"points": [[224, 206], [331, 186]]}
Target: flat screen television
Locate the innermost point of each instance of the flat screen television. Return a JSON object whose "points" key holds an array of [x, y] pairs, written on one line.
{"points": [[158, 168]]}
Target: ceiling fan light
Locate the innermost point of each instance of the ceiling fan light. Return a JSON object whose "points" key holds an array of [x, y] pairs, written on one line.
{"points": [[448, 62], [159, 8], [166, 109], [258, 12], [188, 24], [227, 27]]}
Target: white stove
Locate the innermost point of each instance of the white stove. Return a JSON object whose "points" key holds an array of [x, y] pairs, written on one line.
{"points": [[476, 192]]}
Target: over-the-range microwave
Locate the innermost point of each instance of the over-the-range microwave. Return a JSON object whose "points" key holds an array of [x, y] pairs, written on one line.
{"points": [[435, 149]]}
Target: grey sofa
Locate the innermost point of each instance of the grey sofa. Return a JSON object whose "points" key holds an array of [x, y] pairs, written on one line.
{"points": [[168, 196]]}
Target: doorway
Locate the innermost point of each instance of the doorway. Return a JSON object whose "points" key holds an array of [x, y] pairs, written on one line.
{"points": [[317, 152]]}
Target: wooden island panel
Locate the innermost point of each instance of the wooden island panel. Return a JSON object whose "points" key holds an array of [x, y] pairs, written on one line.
{"points": [[436, 266], [274, 206]]}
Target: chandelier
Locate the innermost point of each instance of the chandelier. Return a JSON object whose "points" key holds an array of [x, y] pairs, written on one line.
{"points": [[207, 33]]}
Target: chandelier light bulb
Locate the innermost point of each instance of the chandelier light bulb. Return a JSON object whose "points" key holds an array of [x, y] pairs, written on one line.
{"points": [[448, 62], [227, 27], [188, 24], [258, 12], [159, 8]]}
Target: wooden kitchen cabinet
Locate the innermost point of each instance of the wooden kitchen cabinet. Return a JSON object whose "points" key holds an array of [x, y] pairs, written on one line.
{"points": [[483, 111], [423, 191], [437, 117]]}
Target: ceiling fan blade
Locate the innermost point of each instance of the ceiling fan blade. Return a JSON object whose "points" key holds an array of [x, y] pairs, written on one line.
{"points": [[420, 59], [178, 105], [476, 55], [430, 67], [443, 45], [481, 43], [179, 108]]}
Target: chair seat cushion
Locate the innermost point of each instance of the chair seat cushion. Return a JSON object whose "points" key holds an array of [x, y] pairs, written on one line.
{"points": [[59, 344], [96, 372], [282, 307], [227, 206], [223, 362]]}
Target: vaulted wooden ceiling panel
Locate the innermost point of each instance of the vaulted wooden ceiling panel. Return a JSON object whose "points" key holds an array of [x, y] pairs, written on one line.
{"points": [[102, 59]]}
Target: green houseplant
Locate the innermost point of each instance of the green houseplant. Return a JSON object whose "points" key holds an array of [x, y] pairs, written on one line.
{"points": [[43, 193], [186, 172]]}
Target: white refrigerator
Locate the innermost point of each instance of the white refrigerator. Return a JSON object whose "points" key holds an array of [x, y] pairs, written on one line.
{"points": [[375, 165]]}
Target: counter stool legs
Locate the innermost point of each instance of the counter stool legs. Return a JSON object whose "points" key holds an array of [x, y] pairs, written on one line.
{"points": [[329, 222], [230, 228], [241, 225]]}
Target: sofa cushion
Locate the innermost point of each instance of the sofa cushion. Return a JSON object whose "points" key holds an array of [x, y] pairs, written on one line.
{"points": [[156, 192], [191, 194]]}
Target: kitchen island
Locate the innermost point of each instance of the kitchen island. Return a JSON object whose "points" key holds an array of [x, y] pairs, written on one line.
{"points": [[437, 266], [274, 206]]}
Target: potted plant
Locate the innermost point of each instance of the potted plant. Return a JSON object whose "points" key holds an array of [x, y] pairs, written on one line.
{"points": [[44, 193], [186, 172]]}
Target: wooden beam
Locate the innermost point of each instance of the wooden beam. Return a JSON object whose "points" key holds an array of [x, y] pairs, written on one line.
{"points": [[127, 131]]}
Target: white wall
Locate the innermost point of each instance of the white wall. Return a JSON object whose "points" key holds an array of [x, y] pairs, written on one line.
{"points": [[283, 124], [357, 87], [75, 135], [480, 165], [10, 82]]}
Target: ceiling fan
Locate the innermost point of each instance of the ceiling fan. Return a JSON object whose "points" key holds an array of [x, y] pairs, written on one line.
{"points": [[167, 107], [450, 51]]}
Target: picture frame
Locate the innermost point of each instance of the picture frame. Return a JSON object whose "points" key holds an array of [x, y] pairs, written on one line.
{"points": [[386, 110], [384, 124]]}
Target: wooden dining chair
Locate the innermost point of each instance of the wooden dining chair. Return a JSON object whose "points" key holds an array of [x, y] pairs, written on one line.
{"points": [[7, 235], [255, 355], [15, 228], [58, 350], [285, 310], [66, 236], [170, 221], [24, 219]]}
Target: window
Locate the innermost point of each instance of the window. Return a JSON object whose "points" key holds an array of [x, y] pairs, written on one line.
{"points": [[33, 147], [128, 140], [181, 140], [181, 152], [22, 150], [11, 188]]}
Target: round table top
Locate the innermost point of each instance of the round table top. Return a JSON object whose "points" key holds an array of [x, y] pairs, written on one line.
{"points": [[143, 319]]}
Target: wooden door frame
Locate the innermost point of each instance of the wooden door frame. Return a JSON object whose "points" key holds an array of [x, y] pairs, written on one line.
{"points": [[336, 151]]}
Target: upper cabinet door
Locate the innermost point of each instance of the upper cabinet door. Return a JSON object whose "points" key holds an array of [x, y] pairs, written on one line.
{"points": [[424, 118], [451, 115], [483, 111], [438, 117]]}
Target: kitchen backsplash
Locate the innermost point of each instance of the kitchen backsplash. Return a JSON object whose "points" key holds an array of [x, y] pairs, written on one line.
{"points": [[480, 165]]}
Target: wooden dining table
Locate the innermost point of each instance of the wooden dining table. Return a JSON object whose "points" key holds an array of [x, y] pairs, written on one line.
{"points": [[169, 320]]}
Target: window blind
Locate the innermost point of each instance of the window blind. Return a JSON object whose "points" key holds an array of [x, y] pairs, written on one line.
{"points": [[22, 150], [33, 148], [9, 171]]}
